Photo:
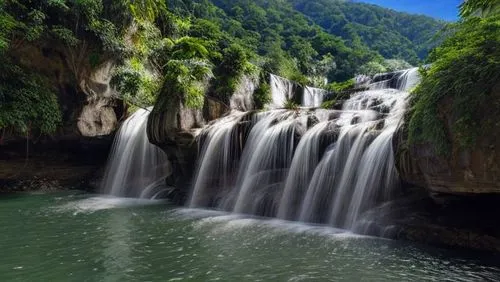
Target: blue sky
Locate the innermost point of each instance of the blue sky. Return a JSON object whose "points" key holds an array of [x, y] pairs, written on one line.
{"points": [[442, 9]]}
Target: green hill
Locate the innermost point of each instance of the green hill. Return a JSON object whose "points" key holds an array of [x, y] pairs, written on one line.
{"points": [[392, 34]]}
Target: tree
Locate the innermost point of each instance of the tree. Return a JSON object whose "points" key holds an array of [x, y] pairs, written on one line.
{"points": [[482, 8]]}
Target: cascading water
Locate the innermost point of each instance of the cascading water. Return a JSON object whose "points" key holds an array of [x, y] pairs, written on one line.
{"points": [[313, 97], [282, 90], [135, 168], [311, 165]]}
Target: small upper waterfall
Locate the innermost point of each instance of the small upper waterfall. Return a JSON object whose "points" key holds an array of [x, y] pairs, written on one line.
{"points": [[135, 167], [312, 165], [313, 97], [403, 80], [282, 90]]}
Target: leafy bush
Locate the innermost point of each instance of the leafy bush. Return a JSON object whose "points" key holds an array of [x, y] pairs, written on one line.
{"points": [[183, 81], [262, 95], [26, 101], [230, 71], [372, 68], [291, 105], [341, 86]]}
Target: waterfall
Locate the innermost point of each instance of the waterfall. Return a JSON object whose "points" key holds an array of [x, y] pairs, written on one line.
{"points": [[135, 166], [403, 80], [310, 165], [218, 157], [282, 90], [313, 97]]}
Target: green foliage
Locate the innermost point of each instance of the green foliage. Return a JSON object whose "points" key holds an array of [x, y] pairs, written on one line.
{"points": [[183, 81], [396, 65], [372, 68], [382, 66], [280, 63], [147, 10], [479, 8], [459, 84], [328, 104], [291, 105], [286, 41], [136, 85], [262, 95], [319, 74], [189, 47], [97, 29], [230, 71], [26, 102], [65, 35], [167, 50], [7, 25], [341, 86], [392, 34]]}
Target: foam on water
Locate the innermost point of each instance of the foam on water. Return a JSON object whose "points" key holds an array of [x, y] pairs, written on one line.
{"points": [[99, 203]]}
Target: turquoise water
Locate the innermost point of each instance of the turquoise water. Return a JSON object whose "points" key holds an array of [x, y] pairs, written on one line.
{"points": [[79, 237]]}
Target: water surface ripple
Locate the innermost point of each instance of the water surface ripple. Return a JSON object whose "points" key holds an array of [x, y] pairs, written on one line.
{"points": [[77, 237]]}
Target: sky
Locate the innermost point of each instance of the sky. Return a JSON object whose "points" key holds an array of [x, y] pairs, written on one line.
{"points": [[441, 9]]}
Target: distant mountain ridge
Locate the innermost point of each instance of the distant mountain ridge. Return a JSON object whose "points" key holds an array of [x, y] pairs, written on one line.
{"points": [[354, 34], [392, 34]]}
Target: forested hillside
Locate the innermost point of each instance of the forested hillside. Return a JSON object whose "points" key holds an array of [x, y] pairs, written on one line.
{"points": [[392, 34], [354, 33], [272, 30]]}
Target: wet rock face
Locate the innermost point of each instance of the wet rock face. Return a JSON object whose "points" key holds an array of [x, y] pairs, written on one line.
{"points": [[466, 171], [242, 99], [53, 164], [97, 116], [467, 222]]}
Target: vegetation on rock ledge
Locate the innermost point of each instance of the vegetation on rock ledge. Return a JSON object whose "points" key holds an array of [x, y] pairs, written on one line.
{"points": [[459, 86]]}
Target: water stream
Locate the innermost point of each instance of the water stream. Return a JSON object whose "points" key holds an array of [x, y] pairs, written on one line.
{"points": [[310, 165], [135, 167]]}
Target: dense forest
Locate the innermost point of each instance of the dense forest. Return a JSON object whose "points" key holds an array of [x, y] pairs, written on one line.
{"points": [[392, 34]]}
